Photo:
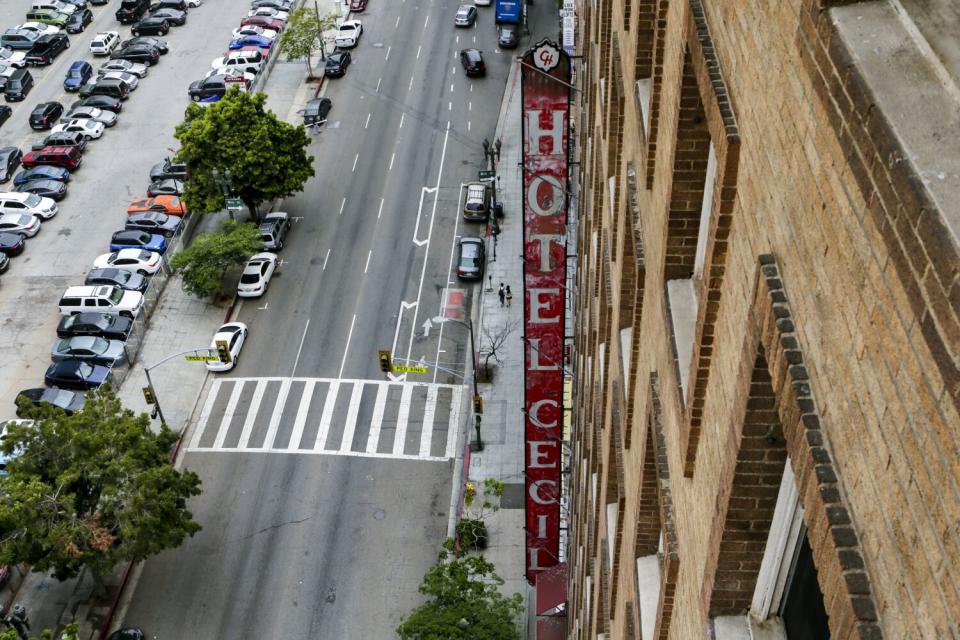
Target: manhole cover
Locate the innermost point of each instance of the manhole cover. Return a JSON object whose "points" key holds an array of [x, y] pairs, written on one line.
{"points": [[379, 514]]}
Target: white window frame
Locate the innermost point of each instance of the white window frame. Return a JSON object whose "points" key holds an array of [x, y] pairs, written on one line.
{"points": [[612, 517], [683, 316], [706, 208], [643, 87]]}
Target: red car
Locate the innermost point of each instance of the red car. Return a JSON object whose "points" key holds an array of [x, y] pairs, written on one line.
{"points": [[358, 5], [265, 22], [66, 157], [264, 51]]}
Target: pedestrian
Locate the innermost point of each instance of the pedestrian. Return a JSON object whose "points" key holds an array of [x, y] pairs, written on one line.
{"points": [[509, 296], [502, 294]]}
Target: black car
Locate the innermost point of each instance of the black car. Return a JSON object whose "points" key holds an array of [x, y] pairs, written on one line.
{"points": [[156, 43], [45, 115], [45, 188], [4, 262], [79, 20], [69, 401], [131, 10], [173, 16], [150, 26], [153, 222], [337, 64], [47, 47], [130, 633], [9, 161], [165, 187], [143, 53], [12, 244], [5, 113], [99, 2], [118, 278], [472, 61], [179, 5], [92, 323], [316, 110], [100, 102], [76, 374], [208, 87], [509, 36], [168, 169]]}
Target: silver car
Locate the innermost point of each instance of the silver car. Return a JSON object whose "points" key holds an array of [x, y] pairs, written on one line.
{"points": [[22, 223], [92, 349], [466, 16], [104, 117], [127, 66]]}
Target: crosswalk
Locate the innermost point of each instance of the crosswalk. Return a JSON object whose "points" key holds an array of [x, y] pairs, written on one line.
{"points": [[330, 416]]}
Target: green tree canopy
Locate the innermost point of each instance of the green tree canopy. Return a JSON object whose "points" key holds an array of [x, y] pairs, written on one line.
{"points": [[303, 34], [93, 489], [203, 263], [464, 601], [266, 156]]}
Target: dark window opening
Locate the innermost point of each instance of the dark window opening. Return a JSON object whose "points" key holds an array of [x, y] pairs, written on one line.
{"points": [[804, 616]]}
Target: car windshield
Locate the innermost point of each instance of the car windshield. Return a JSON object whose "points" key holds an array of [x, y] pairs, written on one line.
{"points": [[32, 200], [116, 296], [99, 345], [143, 255], [250, 278], [85, 369], [61, 398], [474, 206]]}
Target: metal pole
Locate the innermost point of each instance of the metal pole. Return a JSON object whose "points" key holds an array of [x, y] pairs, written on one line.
{"points": [[146, 370]]}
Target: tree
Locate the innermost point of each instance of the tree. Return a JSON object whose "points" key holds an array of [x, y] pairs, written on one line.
{"points": [[463, 602], [303, 35], [90, 490], [267, 157], [496, 339], [203, 263], [69, 633]]}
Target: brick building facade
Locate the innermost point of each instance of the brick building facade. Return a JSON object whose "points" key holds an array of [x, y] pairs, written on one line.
{"points": [[766, 355]]}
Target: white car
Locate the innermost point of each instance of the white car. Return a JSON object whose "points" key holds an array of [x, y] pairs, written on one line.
{"points": [[136, 68], [146, 263], [256, 275], [104, 42], [22, 223], [107, 118], [91, 129], [348, 34], [254, 30], [19, 203], [234, 334], [233, 72], [132, 81], [13, 58], [39, 27], [269, 12], [193, 4]]}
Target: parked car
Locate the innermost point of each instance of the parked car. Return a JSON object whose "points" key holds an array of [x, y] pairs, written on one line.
{"points": [[140, 53], [10, 158], [6, 71], [11, 58], [68, 157], [166, 187], [179, 5], [111, 276], [44, 21], [358, 5], [5, 113], [4, 262], [95, 323], [170, 205], [256, 275], [53, 189], [348, 34], [24, 224], [273, 230], [472, 61], [235, 335], [337, 63], [18, 85], [78, 75], [106, 118], [92, 349], [45, 115], [138, 240], [106, 103], [471, 258], [41, 172], [18, 203], [160, 45], [137, 69], [232, 72], [269, 12], [131, 10], [139, 261], [47, 48], [12, 244], [168, 169], [208, 87], [104, 42], [131, 80], [91, 129], [79, 21], [174, 17], [263, 21], [153, 222], [254, 30], [103, 298], [466, 15], [476, 207], [55, 5], [279, 5], [150, 26], [76, 374], [69, 402], [316, 110], [251, 41], [106, 87], [19, 39], [249, 61]]}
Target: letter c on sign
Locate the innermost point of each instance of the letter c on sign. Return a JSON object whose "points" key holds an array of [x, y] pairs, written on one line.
{"points": [[549, 205], [535, 411], [534, 492]]}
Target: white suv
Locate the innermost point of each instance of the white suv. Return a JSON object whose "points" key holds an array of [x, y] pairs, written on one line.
{"points": [[104, 42], [249, 61], [12, 58], [18, 202], [102, 298], [349, 33]]}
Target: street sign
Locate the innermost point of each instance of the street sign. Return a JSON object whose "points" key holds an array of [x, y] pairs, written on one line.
{"points": [[194, 358], [234, 204], [402, 368], [486, 175]]}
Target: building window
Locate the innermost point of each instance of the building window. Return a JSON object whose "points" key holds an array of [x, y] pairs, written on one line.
{"points": [[649, 581], [682, 304], [642, 95], [706, 206]]}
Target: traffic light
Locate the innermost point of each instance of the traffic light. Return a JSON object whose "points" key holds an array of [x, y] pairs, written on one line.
{"points": [[386, 363], [478, 404], [149, 396], [223, 350]]}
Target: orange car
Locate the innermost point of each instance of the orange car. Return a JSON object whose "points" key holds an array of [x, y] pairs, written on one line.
{"points": [[170, 205]]}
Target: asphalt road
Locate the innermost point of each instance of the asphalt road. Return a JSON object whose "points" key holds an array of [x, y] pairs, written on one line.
{"points": [[326, 487]]}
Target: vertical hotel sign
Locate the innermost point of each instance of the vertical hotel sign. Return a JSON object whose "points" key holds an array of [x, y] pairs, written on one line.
{"points": [[545, 77]]}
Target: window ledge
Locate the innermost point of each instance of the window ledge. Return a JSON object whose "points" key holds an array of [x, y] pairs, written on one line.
{"points": [[682, 300], [648, 592], [746, 628]]}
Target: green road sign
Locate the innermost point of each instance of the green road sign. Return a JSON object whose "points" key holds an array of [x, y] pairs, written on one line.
{"points": [[234, 204], [486, 175]]}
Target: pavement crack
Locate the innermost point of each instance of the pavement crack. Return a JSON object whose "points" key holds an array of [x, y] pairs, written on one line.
{"points": [[275, 526]]}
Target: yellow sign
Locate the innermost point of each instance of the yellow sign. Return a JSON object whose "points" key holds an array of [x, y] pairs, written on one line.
{"points": [[202, 358], [401, 368]]}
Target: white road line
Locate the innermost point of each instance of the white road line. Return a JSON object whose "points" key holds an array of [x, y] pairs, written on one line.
{"points": [[205, 414], [367, 266], [397, 24], [346, 347], [451, 87], [342, 205], [470, 106], [304, 336], [410, 86], [355, 158], [277, 414], [401, 121], [327, 416], [403, 416], [427, 21], [392, 158], [468, 125], [301, 420], [252, 414], [454, 422], [228, 415], [380, 210], [373, 437], [327, 257], [458, 39], [453, 69], [352, 454], [474, 39], [429, 410], [388, 54], [352, 412], [471, 87], [419, 48], [367, 123], [449, 106], [379, 80]]}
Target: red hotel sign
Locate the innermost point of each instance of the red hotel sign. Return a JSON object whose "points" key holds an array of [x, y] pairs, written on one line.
{"points": [[545, 75]]}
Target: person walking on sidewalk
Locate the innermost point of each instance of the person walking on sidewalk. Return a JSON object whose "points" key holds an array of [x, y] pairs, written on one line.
{"points": [[502, 294], [509, 296]]}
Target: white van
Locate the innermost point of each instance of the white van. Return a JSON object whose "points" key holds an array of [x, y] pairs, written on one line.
{"points": [[102, 298]]}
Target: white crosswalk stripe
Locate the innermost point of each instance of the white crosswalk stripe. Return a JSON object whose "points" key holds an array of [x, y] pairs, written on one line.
{"points": [[329, 416]]}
